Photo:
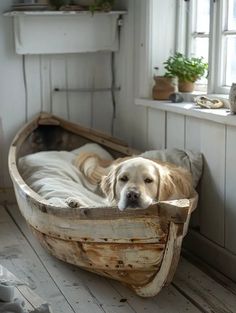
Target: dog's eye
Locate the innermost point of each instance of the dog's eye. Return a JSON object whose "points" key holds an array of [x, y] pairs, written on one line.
{"points": [[123, 178], [148, 180]]}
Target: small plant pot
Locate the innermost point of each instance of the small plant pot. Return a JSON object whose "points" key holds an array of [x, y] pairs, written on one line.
{"points": [[164, 86], [186, 86]]}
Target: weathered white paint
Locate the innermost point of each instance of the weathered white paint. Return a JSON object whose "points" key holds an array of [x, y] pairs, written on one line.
{"points": [[156, 130], [175, 131], [230, 194], [12, 102], [81, 32], [215, 218], [213, 181], [192, 290]]}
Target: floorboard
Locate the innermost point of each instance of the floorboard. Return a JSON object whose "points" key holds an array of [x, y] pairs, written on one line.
{"points": [[70, 289]]}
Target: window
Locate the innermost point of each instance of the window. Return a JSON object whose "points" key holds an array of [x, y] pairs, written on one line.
{"points": [[211, 33]]}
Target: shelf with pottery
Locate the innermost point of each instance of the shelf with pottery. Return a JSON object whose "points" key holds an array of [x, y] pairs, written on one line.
{"points": [[51, 32]]}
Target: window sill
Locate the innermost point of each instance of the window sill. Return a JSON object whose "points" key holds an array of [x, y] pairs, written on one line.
{"points": [[222, 116]]}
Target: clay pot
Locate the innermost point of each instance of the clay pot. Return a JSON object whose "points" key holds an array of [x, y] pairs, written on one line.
{"points": [[186, 86], [164, 86]]}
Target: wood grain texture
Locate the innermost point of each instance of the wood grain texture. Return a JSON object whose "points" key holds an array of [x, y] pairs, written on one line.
{"points": [[59, 80], [193, 142], [198, 284], [230, 196], [175, 131], [140, 248], [87, 292], [33, 83], [217, 257], [209, 139], [102, 101], [19, 258], [12, 104], [213, 181], [80, 73], [156, 136]]}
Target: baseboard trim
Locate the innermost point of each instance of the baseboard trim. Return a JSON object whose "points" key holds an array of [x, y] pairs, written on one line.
{"points": [[7, 195], [218, 257]]}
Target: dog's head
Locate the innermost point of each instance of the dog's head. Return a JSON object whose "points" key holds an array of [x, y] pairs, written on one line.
{"points": [[138, 182]]}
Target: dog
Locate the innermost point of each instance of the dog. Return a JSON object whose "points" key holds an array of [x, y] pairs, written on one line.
{"points": [[136, 182]]}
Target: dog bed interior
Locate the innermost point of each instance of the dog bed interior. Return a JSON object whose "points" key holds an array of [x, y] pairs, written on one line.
{"points": [[53, 176]]}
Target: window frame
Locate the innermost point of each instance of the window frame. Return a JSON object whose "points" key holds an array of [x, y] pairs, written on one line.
{"points": [[217, 40]]}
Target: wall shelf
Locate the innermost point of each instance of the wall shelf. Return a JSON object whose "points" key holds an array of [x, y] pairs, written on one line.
{"points": [[52, 32]]}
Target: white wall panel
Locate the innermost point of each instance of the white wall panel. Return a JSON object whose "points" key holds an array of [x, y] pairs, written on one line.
{"points": [[102, 108], [209, 139], [46, 84], [213, 181], [33, 83], [79, 74], [156, 129], [175, 131], [230, 196], [59, 80], [193, 142], [12, 96], [193, 133]]}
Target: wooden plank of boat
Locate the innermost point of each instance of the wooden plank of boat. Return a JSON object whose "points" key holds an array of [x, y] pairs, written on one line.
{"points": [[138, 247]]}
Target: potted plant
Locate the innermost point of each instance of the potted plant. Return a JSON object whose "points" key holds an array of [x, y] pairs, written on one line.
{"points": [[188, 70], [91, 5]]}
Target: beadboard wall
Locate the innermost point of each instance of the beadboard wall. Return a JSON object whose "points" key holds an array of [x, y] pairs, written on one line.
{"points": [[27, 86], [27, 82]]}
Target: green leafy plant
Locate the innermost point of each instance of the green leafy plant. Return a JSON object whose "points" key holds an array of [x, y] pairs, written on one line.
{"points": [[58, 3], [101, 5], [186, 69]]}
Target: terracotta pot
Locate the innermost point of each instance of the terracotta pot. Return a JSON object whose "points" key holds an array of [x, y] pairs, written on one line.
{"points": [[186, 86], [164, 86]]}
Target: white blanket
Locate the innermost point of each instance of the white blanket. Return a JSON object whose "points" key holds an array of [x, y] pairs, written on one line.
{"points": [[53, 176]]}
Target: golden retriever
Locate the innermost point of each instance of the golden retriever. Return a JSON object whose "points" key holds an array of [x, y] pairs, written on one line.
{"points": [[136, 182]]}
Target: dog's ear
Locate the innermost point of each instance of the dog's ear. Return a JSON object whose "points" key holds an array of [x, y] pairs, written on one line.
{"points": [[108, 184], [174, 183]]}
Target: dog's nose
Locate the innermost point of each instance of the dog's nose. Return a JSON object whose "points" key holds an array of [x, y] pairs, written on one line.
{"points": [[133, 195]]}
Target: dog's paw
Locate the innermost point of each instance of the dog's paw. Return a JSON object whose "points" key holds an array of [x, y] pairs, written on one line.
{"points": [[73, 202]]}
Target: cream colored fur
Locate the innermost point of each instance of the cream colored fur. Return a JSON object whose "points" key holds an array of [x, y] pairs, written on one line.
{"points": [[151, 180]]}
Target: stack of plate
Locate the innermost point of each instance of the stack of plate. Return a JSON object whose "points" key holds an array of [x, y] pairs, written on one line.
{"points": [[30, 5]]}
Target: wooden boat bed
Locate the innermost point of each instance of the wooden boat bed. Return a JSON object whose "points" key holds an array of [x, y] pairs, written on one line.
{"points": [[140, 248]]}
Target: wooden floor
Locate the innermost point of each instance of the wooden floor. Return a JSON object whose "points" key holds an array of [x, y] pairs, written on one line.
{"points": [[70, 289]]}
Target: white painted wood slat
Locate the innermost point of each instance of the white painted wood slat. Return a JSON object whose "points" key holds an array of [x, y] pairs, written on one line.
{"points": [[19, 258], [58, 80], [33, 85], [213, 181], [80, 69], [203, 290], [46, 84], [193, 142], [175, 131], [12, 96], [156, 129], [230, 194], [102, 107]]}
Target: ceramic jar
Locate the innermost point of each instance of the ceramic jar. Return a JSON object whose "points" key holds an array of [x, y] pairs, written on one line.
{"points": [[164, 86], [232, 98]]}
